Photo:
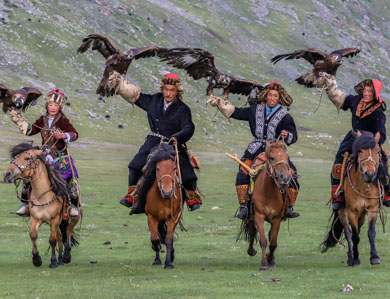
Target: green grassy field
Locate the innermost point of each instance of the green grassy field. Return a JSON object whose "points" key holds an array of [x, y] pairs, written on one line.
{"points": [[208, 262]]}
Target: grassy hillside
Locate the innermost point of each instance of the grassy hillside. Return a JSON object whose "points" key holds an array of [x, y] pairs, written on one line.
{"points": [[39, 41]]}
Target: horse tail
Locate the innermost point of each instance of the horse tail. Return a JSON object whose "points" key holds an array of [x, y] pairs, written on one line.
{"points": [[162, 231], [334, 234], [73, 239]]}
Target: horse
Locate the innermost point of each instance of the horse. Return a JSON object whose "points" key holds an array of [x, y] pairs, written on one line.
{"points": [[46, 200], [270, 201], [161, 189], [363, 191]]}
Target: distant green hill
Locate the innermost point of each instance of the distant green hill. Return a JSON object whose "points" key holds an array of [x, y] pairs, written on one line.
{"points": [[38, 42]]}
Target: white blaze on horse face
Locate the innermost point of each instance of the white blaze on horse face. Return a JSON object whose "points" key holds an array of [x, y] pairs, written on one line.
{"points": [[166, 175]]}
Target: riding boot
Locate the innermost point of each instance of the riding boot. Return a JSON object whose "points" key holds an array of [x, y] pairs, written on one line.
{"points": [[338, 201], [23, 209], [194, 201], [386, 199], [73, 210], [242, 194], [129, 199], [293, 197]]}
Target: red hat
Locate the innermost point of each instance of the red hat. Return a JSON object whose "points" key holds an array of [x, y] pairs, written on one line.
{"points": [[172, 76], [378, 88]]}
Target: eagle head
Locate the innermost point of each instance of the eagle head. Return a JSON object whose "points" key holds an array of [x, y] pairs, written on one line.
{"points": [[18, 100], [337, 59], [224, 80]]}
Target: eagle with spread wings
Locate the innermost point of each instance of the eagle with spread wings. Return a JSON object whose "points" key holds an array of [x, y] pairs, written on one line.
{"points": [[199, 64], [116, 60], [19, 99], [322, 62]]}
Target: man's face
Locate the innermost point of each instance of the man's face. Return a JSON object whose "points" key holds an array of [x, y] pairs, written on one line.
{"points": [[169, 92], [368, 95], [272, 98]]}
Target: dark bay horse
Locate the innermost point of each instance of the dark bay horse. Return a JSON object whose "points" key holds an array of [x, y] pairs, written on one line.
{"points": [[46, 199], [363, 191], [164, 201], [270, 201]]}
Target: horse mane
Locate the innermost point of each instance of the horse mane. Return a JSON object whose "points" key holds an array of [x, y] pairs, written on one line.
{"points": [[163, 152], [57, 182], [273, 145], [365, 141]]}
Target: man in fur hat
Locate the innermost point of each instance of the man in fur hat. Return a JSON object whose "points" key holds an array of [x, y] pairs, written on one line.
{"points": [[169, 119], [367, 109], [56, 132], [267, 121]]}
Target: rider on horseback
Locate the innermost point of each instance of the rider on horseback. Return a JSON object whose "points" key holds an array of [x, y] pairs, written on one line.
{"points": [[267, 120], [56, 132], [169, 119], [367, 109]]}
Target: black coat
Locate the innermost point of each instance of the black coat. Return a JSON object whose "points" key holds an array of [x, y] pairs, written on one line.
{"points": [[176, 122], [265, 128]]}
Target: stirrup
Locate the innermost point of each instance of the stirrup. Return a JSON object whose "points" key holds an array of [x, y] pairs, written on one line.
{"points": [[73, 211], [243, 212], [291, 213]]}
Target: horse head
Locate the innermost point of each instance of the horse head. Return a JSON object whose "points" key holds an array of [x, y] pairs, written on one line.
{"points": [[367, 154], [25, 159], [166, 170], [277, 162]]}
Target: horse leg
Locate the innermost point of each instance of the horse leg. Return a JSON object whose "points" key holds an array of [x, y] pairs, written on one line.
{"points": [[60, 248], [169, 243], [36, 259], [343, 216], [252, 236], [355, 240], [263, 240], [273, 242], [67, 258], [374, 258], [154, 238], [53, 241]]}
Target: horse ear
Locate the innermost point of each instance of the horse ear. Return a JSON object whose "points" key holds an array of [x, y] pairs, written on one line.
{"points": [[37, 152], [377, 137]]}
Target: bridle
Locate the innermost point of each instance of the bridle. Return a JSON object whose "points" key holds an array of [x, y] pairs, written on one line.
{"points": [[173, 179], [271, 171], [370, 158], [29, 164]]}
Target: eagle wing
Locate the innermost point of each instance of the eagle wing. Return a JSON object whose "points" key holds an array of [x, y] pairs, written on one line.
{"points": [[197, 62], [312, 55], [4, 92], [146, 52], [244, 86], [101, 43], [347, 52], [31, 98]]}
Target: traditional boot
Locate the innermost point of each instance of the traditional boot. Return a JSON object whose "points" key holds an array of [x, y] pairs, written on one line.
{"points": [[293, 197], [242, 194], [129, 199], [338, 201], [23, 209], [386, 199], [193, 200], [73, 211]]}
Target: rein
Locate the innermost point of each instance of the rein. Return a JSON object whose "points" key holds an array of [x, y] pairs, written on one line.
{"points": [[270, 169]]}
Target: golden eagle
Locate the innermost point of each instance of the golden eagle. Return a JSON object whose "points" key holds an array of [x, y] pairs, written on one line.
{"points": [[116, 60], [19, 99], [199, 64], [322, 62]]}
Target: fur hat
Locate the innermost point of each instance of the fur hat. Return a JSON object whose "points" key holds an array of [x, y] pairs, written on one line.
{"points": [[285, 99], [55, 96], [172, 79]]}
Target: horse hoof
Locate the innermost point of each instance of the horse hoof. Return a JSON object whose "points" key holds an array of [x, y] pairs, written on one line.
{"points": [[356, 263], [157, 263], [252, 251], [272, 265], [37, 260], [60, 261], [264, 268], [67, 258], [168, 267], [53, 265], [375, 261]]}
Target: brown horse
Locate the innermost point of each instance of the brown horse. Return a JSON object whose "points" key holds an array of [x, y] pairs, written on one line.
{"points": [[46, 199], [270, 201], [363, 191], [164, 205]]}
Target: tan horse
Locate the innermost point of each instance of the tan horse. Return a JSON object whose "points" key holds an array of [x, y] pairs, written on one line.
{"points": [[48, 192], [363, 190], [164, 205], [270, 200]]}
